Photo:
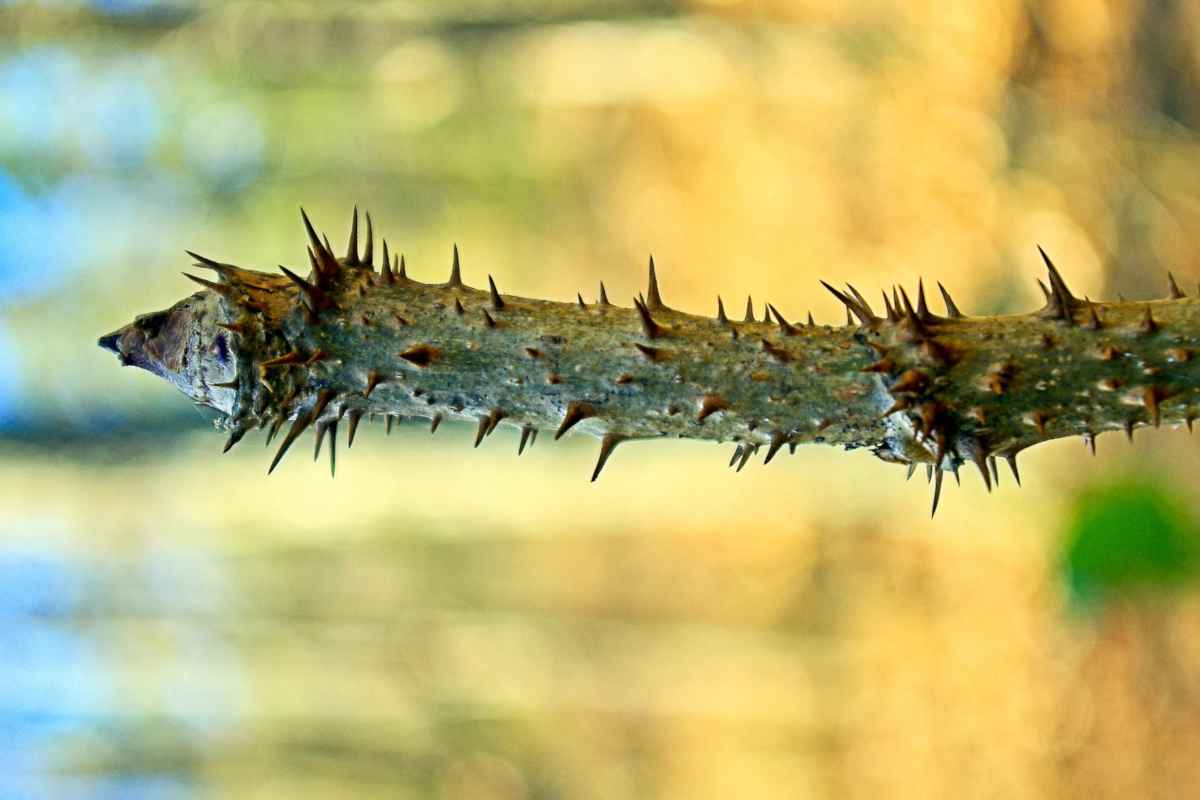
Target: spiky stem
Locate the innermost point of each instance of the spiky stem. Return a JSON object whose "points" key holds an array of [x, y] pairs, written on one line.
{"points": [[914, 386]]}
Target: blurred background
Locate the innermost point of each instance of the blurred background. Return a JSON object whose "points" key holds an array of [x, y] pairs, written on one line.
{"points": [[452, 623]]}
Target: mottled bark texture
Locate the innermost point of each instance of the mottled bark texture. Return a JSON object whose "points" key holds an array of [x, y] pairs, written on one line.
{"points": [[916, 387]]}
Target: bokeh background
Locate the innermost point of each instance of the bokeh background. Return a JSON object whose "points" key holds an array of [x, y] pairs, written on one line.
{"points": [[453, 623]]}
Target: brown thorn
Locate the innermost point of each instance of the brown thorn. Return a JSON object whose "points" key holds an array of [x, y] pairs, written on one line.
{"points": [[1066, 301], [317, 298], [223, 289], [576, 412], [721, 318], [1129, 430], [403, 270], [951, 309], [373, 380], [653, 298], [737, 453], [355, 416], [422, 355], [784, 326], [525, 431], [884, 365], [603, 296], [892, 315], [291, 357], [922, 307], [434, 422], [607, 445], [778, 440], [386, 267], [937, 494], [912, 380], [976, 454], [579, 299], [810, 323], [749, 310], [235, 436], [1148, 325], [1175, 292], [747, 451], [497, 301], [368, 256], [487, 318], [455, 271], [1011, 458], [1151, 397], [863, 313], [653, 354], [710, 405], [325, 259], [458, 307], [482, 430], [777, 353], [352, 244], [652, 329]]}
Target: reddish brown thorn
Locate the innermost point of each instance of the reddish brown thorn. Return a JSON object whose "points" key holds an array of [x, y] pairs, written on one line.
{"points": [[1151, 397], [1011, 458], [482, 430], [292, 357], [526, 430], [884, 365], [317, 299], [368, 256], [937, 493], [458, 307], [778, 440], [434, 422], [1038, 419], [1148, 325], [653, 299], [455, 272], [651, 328], [784, 326], [422, 355], [1175, 292], [893, 315], [326, 262], [747, 451], [373, 380], [710, 405], [352, 244], [1179, 354], [235, 436], [576, 412], [951, 309], [225, 290], [533, 352], [553, 379], [497, 301], [653, 354], [777, 353], [623, 379], [386, 269], [487, 318], [912, 380], [607, 445]]}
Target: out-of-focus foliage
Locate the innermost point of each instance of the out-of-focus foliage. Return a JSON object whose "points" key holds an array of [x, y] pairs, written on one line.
{"points": [[1128, 538], [448, 622]]}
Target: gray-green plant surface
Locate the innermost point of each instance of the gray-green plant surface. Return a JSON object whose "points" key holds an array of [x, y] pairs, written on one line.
{"points": [[916, 387]]}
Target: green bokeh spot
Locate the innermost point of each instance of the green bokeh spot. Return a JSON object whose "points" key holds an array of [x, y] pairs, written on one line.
{"points": [[1126, 539]]}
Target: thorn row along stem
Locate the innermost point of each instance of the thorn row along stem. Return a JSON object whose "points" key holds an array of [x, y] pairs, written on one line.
{"points": [[913, 386]]}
